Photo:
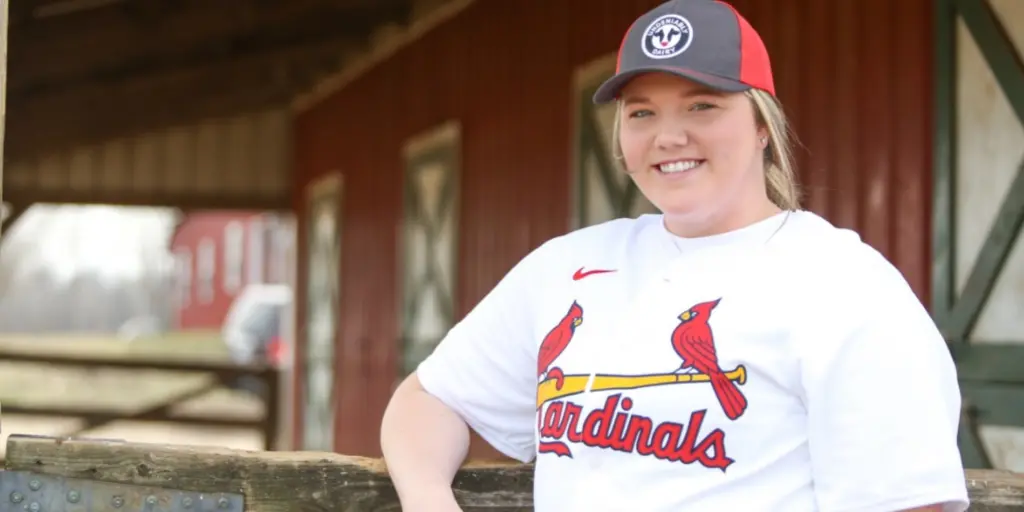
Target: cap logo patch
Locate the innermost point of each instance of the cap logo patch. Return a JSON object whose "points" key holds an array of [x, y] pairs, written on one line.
{"points": [[667, 36]]}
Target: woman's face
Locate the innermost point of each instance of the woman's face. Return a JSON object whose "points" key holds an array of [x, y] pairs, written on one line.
{"points": [[695, 153]]}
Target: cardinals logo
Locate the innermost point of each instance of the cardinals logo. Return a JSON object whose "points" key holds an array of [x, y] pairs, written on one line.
{"points": [[615, 426], [694, 343], [555, 343]]}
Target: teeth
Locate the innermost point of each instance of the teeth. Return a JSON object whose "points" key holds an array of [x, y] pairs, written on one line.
{"points": [[679, 166]]}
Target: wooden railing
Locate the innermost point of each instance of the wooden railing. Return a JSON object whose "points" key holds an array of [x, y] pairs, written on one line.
{"points": [[161, 411], [255, 481]]}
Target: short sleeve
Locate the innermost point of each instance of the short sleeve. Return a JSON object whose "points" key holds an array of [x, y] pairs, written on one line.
{"points": [[484, 368], [882, 398]]}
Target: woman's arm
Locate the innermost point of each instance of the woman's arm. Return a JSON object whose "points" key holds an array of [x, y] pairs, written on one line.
{"points": [[482, 376], [422, 472]]}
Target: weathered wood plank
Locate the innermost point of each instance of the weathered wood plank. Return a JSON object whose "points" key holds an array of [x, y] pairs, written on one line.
{"points": [[995, 491], [311, 481], [270, 481]]}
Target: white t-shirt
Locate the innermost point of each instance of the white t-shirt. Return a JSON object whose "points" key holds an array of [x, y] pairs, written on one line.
{"points": [[785, 366]]}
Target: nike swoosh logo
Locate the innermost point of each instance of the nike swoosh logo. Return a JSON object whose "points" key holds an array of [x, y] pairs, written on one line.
{"points": [[580, 274]]}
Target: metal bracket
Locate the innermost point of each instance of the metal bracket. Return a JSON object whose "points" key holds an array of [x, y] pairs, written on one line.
{"points": [[24, 491]]}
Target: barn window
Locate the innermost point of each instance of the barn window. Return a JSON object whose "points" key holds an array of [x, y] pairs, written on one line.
{"points": [[234, 237], [428, 240], [322, 306], [183, 277], [206, 267], [602, 190]]}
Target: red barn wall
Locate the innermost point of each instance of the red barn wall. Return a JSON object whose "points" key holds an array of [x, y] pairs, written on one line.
{"points": [[854, 74]]}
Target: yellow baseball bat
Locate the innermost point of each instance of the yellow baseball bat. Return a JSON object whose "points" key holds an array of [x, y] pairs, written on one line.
{"points": [[575, 384]]}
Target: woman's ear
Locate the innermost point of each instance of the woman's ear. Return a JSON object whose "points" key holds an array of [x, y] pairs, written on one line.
{"points": [[762, 138]]}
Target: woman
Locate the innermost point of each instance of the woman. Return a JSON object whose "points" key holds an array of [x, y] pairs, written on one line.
{"points": [[734, 352]]}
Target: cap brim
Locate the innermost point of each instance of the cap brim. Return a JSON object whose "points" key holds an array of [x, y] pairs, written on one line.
{"points": [[609, 90]]}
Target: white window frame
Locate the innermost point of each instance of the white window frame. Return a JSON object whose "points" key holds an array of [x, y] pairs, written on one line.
{"points": [[206, 269], [234, 256]]}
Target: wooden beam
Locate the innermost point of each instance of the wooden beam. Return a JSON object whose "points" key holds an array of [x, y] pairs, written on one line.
{"points": [[51, 358], [189, 200], [18, 13], [158, 414], [4, 4], [100, 111], [271, 482], [230, 76], [109, 42], [290, 481]]}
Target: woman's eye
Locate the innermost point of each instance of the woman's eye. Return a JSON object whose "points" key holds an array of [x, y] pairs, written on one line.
{"points": [[640, 113], [701, 106]]}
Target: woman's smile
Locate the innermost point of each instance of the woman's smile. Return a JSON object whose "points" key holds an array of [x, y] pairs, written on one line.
{"points": [[678, 166]]}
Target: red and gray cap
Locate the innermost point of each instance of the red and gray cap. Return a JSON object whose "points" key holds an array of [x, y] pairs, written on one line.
{"points": [[706, 41]]}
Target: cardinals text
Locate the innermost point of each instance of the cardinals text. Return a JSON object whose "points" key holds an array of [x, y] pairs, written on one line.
{"points": [[614, 427]]}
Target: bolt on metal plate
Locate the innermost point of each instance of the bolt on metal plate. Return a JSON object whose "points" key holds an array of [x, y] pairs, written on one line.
{"points": [[23, 491]]}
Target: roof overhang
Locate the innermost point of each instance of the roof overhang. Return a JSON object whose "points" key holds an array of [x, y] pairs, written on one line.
{"points": [[104, 97], [84, 71]]}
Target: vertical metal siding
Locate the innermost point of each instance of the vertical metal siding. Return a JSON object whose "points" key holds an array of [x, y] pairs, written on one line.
{"points": [[854, 75], [855, 78]]}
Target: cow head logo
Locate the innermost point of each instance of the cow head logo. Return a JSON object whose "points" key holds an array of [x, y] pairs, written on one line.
{"points": [[667, 37]]}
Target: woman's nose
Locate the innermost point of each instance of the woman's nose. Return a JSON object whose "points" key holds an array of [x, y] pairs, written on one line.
{"points": [[670, 137]]}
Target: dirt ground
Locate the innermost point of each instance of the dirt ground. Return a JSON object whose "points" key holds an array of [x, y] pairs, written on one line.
{"points": [[41, 386]]}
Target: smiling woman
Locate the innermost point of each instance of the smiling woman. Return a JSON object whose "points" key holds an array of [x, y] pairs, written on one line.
{"points": [[773, 133], [717, 364], [733, 128], [698, 154]]}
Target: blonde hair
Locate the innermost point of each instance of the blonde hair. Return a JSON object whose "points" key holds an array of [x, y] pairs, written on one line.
{"points": [[779, 169]]}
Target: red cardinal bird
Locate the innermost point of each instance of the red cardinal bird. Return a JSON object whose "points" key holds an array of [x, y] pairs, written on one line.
{"points": [[695, 344], [556, 341]]}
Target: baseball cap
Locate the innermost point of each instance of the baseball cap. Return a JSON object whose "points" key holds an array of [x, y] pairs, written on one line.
{"points": [[706, 41]]}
